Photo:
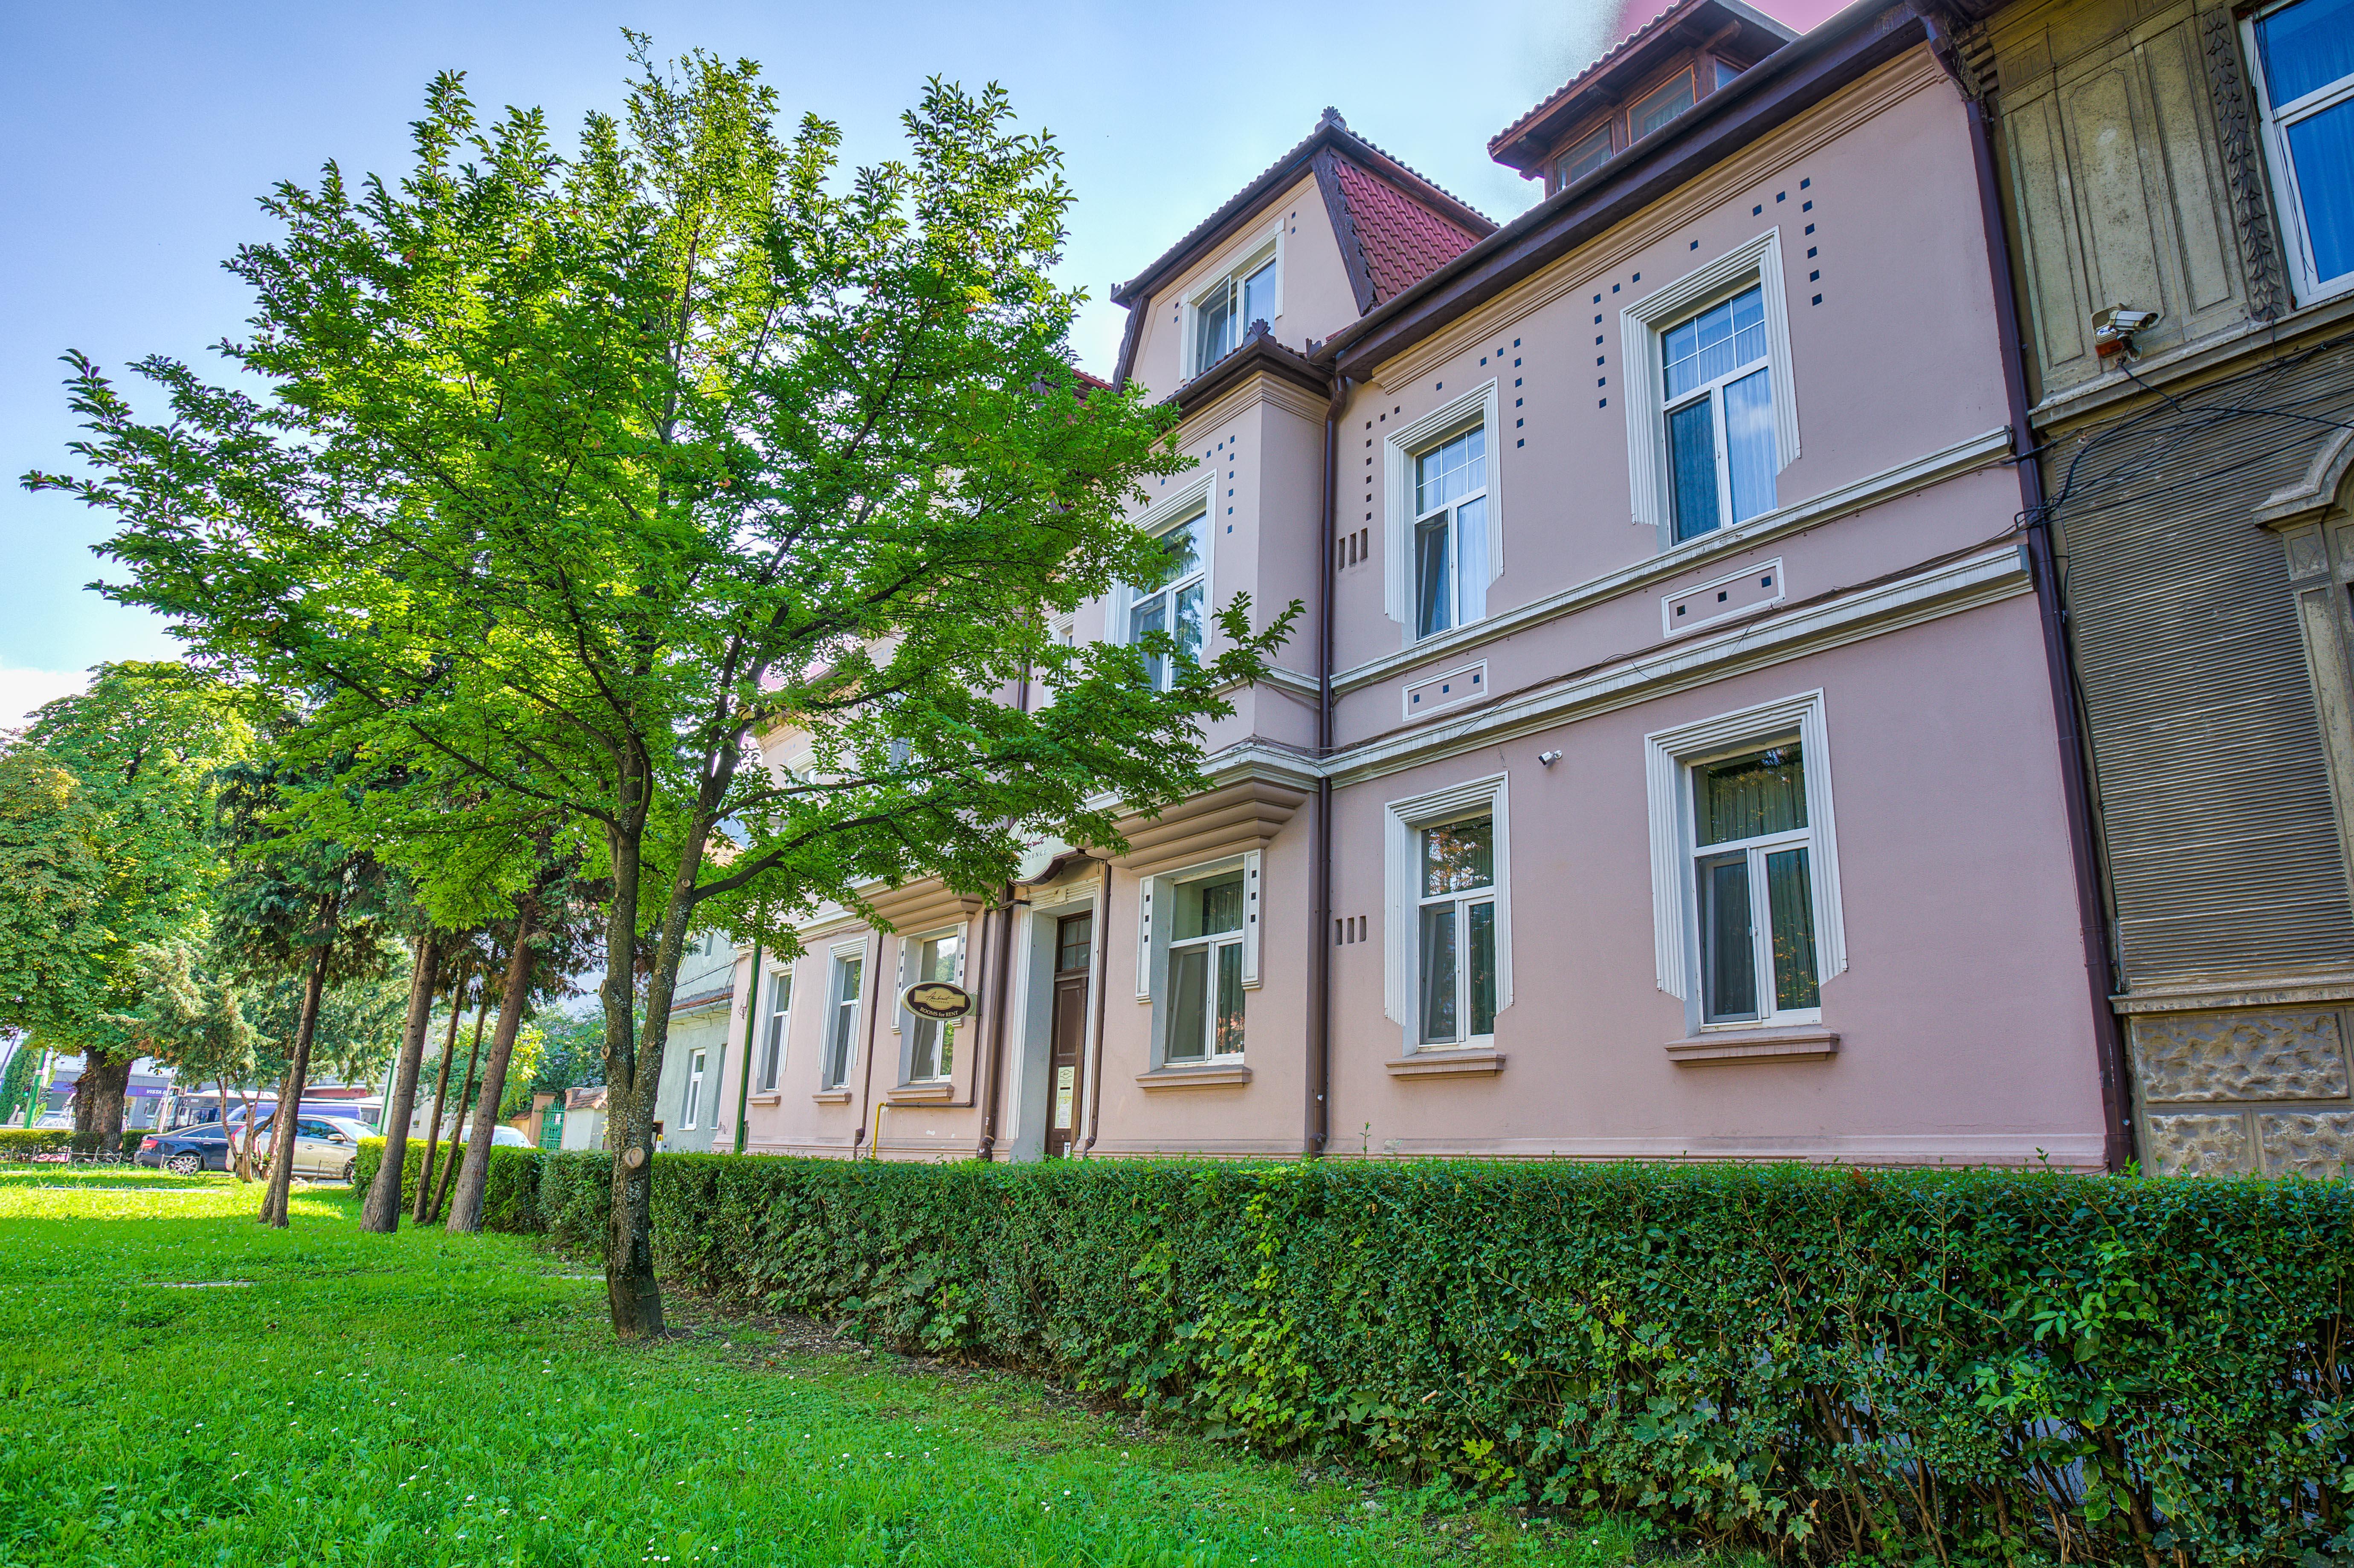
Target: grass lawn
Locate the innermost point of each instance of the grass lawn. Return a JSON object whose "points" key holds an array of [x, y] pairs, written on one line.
{"points": [[179, 1386]]}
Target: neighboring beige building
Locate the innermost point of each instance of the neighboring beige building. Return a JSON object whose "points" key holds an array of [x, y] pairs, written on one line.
{"points": [[2194, 163], [1626, 529]]}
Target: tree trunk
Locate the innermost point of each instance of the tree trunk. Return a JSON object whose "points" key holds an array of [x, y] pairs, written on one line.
{"points": [[381, 1212], [457, 1160], [283, 1125], [475, 1170], [98, 1098], [422, 1209], [632, 1293]]}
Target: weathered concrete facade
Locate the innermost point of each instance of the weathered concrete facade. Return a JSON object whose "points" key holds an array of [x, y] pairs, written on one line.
{"points": [[2197, 487]]}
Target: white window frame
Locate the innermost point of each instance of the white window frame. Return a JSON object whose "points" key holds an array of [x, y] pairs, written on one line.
{"points": [[906, 1024], [1152, 930], [842, 1018], [1400, 448], [1229, 279], [1402, 823], [1241, 937], [772, 1037], [1642, 326], [698, 1063], [1670, 755], [2310, 285], [1172, 511]]}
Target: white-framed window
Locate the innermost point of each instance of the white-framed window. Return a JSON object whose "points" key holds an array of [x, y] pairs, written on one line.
{"points": [[931, 1043], [696, 1062], [1711, 416], [1455, 935], [1174, 603], [1745, 865], [1448, 872], [2303, 54], [1206, 968], [1445, 525], [772, 1044], [848, 974], [1450, 533], [1220, 315]]}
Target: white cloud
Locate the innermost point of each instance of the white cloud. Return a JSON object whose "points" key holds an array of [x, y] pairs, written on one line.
{"points": [[22, 691]]}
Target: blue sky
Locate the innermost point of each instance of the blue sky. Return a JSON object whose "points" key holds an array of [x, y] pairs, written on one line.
{"points": [[140, 135]]}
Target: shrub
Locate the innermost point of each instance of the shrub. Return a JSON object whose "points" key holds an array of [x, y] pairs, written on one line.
{"points": [[510, 1188], [1898, 1365], [44, 1142]]}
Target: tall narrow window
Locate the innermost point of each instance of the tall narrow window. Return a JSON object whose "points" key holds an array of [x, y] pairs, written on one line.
{"points": [[1224, 314], [1457, 932], [1206, 970], [1754, 888], [1719, 415], [693, 1108], [2305, 55], [841, 1031], [1173, 603], [931, 1051], [772, 1050], [1450, 533]]}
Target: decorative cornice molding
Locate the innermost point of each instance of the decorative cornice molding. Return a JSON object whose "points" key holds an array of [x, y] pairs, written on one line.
{"points": [[1982, 451]]}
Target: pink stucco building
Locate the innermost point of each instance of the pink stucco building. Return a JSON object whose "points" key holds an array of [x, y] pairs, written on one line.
{"points": [[1670, 766]]}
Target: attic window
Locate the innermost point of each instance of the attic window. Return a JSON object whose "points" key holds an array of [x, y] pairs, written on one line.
{"points": [[1586, 155], [1660, 106], [1726, 71], [1224, 312]]}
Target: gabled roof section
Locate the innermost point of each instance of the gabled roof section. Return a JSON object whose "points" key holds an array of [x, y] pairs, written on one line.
{"points": [[1393, 225], [1749, 33]]}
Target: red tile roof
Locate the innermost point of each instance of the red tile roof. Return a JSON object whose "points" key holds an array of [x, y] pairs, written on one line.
{"points": [[1401, 239]]}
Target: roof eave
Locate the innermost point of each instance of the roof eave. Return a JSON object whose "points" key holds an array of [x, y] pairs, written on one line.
{"points": [[1259, 355]]}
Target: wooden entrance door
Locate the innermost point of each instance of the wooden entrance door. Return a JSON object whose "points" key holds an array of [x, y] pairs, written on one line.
{"points": [[1066, 1056]]}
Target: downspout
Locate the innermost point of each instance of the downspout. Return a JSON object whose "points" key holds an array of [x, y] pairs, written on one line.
{"points": [[751, 1035], [1320, 1031], [2117, 1137], [1103, 1005], [993, 1064], [866, 1082]]}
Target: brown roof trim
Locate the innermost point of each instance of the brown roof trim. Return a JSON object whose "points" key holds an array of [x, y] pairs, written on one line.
{"points": [[702, 999], [1259, 354], [1784, 85], [1528, 141], [1344, 228]]}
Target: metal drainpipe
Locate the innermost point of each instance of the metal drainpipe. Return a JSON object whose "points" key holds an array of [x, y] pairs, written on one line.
{"points": [[751, 1034], [994, 1062], [866, 1082], [2117, 1137], [1319, 1050], [1102, 1001]]}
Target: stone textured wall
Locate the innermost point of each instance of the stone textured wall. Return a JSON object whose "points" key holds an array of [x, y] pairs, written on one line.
{"points": [[2263, 1090]]}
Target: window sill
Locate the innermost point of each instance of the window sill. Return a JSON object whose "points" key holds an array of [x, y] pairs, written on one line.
{"points": [[1446, 1065], [920, 1094], [765, 1098], [1809, 1043], [832, 1097], [1194, 1078]]}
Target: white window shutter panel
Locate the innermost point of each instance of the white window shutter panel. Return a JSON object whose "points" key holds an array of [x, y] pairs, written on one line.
{"points": [[1250, 919], [1144, 889]]}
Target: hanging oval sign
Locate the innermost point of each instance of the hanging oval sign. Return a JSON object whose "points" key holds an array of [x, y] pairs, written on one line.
{"points": [[936, 999]]}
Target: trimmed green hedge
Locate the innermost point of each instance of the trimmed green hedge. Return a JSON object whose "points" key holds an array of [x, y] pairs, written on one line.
{"points": [[1918, 1366], [27, 1143], [510, 1188]]}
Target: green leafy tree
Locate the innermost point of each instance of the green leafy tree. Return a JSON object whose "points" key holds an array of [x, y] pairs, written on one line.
{"points": [[192, 1022], [304, 921], [584, 477], [105, 807], [18, 1082]]}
